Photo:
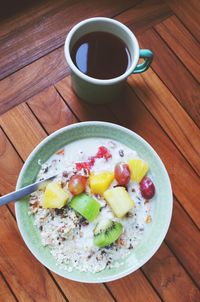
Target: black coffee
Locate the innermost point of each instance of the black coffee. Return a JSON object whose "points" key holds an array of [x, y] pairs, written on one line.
{"points": [[101, 55]]}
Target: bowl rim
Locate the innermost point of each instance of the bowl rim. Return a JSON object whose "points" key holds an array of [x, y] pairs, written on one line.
{"points": [[168, 184]]}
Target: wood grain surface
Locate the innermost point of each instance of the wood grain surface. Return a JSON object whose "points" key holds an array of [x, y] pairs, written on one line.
{"points": [[5, 291], [144, 15], [45, 29], [32, 79], [162, 105], [188, 12], [20, 265], [181, 41], [168, 276], [166, 64], [171, 116], [180, 241]]}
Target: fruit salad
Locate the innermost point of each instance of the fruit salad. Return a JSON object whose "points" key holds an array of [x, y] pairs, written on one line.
{"points": [[97, 209]]}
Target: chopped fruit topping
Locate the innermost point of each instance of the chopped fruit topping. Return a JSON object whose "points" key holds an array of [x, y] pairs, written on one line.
{"points": [[122, 174], [106, 232], [92, 160], [103, 152], [147, 188], [148, 219], [54, 196], [119, 200], [85, 205], [61, 152], [77, 184], [83, 165], [138, 168], [100, 182]]}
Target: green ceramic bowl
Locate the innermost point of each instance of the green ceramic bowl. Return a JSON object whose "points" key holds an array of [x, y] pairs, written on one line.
{"points": [[162, 209]]}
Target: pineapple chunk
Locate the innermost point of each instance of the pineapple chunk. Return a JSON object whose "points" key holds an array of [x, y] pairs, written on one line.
{"points": [[138, 168], [119, 200], [100, 182], [54, 196]]}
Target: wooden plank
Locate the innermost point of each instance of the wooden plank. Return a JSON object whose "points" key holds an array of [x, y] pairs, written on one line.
{"points": [[169, 113], [144, 15], [180, 40], [188, 12], [169, 278], [173, 73], [18, 265], [82, 109], [83, 292], [45, 31], [130, 287], [51, 110], [10, 8], [25, 14], [132, 114], [183, 238], [22, 128], [10, 165], [32, 79], [5, 292]]}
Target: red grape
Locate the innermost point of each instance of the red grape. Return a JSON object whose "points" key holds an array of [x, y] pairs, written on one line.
{"points": [[147, 188], [122, 174], [77, 184]]}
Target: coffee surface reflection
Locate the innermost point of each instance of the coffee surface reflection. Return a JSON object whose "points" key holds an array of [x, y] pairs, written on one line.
{"points": [[101, 55]]}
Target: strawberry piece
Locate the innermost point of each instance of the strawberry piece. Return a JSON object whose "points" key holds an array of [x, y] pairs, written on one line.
{"points": [[92, 160], [103, 152], [83, 165]]}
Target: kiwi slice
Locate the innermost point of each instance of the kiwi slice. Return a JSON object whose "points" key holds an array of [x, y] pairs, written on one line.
{"points": [[107, 232], [85, 205]]}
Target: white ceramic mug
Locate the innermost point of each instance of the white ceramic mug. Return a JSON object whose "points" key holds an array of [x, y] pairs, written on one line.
{"points": [[99, 91]]}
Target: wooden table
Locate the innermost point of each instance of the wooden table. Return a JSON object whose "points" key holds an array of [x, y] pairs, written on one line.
{"points": [[162, 105]]}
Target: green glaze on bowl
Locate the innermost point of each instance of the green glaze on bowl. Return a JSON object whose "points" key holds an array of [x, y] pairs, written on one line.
{"points": [[162, 208]]}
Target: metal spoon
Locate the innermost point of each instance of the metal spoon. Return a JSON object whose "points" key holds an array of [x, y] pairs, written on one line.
{"points": [[24, 191]]}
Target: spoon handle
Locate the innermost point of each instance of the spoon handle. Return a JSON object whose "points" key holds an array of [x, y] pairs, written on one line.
{"points": [[24, 191]]}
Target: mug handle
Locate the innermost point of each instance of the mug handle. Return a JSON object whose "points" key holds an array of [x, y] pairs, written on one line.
{"points": [[147, 55]]}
